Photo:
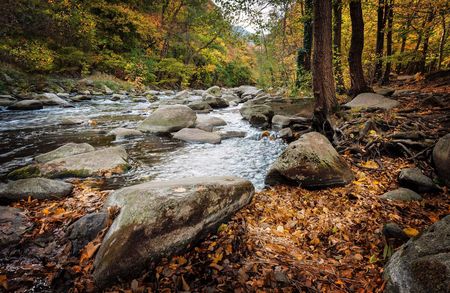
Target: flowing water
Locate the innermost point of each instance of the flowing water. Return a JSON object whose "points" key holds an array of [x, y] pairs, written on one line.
{"points": [[25, 134]]}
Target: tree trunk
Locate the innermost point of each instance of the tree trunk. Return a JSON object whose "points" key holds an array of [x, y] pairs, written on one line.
{"points": [[337, 32], [308, 34], [358, 84], [443, 39], [404, 35], [426, 41], [323, 80], [381, 22], [387, 72]]}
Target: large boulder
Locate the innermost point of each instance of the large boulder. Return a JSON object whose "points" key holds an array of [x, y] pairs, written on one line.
{"points": [[39, 188], [208, 123], [247, 90], [200, 106], [423, 263], [26, 105], [195, 135], [215, 102], [169, 119], [50, 99], [66, 150], [13, 224], [111, 160], [441, 158], [371, 100], [414, 179], [257, 115], [159, 219], [311, 162]]}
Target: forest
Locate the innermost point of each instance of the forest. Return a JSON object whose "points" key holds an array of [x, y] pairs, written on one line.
{"points": [[224, 146]]}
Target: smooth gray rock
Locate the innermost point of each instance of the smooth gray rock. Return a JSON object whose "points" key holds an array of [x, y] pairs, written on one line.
{"points": [[86, 229], [226, 134], [246, 90], [13, 224], [215, 102], [208, 123], [195, 135], [280, 122], [371, 100], [414, 179], [66, 150], [257, 115], [160, 219], [441, 158], [38, 188], [112, 159], [50, 99], [26, 105], [310, 162], [124, 133], [118, 97], [200, 106], [423, 263], [168, 119], [182, 95], [393, 231], [401, 194]]}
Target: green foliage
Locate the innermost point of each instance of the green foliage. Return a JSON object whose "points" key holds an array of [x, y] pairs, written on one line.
{"points": [[163, 43]]}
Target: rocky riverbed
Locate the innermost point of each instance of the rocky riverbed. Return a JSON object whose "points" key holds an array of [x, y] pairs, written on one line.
{"points": [[104, 119]]}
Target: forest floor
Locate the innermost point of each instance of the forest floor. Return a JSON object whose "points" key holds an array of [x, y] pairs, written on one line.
{"points": [[288, 239]]}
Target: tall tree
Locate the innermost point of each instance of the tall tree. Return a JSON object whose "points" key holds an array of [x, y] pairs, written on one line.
{"points": [[323, 80], [381, 22], [387, 71], [426, 39], [443, 39], [308, 33], [358, 83], [337, 36]]}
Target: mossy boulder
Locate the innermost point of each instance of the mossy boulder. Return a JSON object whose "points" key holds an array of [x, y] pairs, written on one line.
{"points": [[310, 162], [160, 219], [168, 119]]}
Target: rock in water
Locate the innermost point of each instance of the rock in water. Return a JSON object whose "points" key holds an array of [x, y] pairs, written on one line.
{"points": [[208, 123], [50, 99], [441, 158], [13, 224], [311, 162], [113, 159], [6, 100], [215, 102], [371, 100], [195, 135], [401, 194], [214, 90], [423, 263], [257, 115], [39, 188], [66, 150], [200, 106], [169, 119], [26, 105], [159, 219], [124, 133], [414, 179]]}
